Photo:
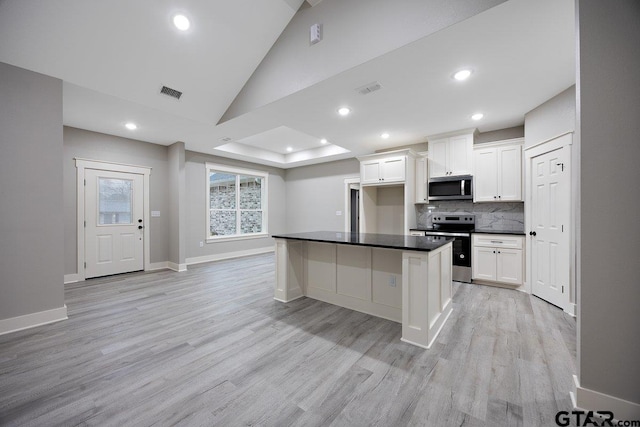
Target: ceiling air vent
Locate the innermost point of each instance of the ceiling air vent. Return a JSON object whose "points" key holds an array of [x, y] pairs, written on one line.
{"points": [[225, 139], [368, 88], [171, 92]]}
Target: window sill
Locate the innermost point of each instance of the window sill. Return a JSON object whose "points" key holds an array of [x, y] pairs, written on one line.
{"points": [[232, 238]]}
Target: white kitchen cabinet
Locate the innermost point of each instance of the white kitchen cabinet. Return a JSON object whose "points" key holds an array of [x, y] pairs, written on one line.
{"points": [[498, 258], [497, 172], [383, 171], [452, 155], [422, 189]]}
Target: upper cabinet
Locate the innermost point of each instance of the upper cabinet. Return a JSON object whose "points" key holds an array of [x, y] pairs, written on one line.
{"points": [[422, 188], [498, 171], [451, 155], [381, 169]]}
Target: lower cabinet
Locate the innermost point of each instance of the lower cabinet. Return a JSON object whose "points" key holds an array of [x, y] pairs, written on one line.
{"points": [[498, 258]]}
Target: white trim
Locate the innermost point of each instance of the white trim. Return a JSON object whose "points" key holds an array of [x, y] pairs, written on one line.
{"points": [[591, 400], [72, 278], [81, 165], [571, 309], [228, 255], [18, 323], [162, 265], [538, 144], [347, 200], [176, 267], [265, 202]]}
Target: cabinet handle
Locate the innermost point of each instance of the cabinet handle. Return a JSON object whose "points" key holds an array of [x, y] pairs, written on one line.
{"points": [[497, 241], [499, 197], [494, 197], [498, 251], [494, 252]]}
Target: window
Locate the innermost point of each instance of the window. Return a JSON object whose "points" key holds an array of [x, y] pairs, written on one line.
{"points": [[236, 202]]}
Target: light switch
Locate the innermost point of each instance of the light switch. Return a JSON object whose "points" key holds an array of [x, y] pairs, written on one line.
{"points": [[155, 214], [338, 213]]}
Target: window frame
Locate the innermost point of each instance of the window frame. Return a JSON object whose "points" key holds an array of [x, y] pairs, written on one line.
{"points": [[237, 171]]}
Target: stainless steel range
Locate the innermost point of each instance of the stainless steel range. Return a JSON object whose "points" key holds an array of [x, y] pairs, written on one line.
{"points": [[459, 226]]}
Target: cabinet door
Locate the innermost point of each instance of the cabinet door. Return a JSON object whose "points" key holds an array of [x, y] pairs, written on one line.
{"points": [[485, 178], [509, 266], [421, 180], [370, 172], [510, 173], [460, 155], [438, 157], [483, 264], [393, 169]]}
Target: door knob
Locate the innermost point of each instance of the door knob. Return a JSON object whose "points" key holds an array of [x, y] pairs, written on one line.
{"points": [[140, 227], [532, 233], [139, 220]]}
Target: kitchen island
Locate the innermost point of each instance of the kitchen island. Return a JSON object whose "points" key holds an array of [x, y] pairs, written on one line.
{"points": [[402, 278]]}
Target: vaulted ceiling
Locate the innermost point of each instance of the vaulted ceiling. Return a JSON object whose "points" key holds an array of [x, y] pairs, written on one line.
{"points": [[253, 85]]}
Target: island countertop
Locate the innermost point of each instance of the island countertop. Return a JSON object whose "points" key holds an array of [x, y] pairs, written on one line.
{"points": [[387, 241]]}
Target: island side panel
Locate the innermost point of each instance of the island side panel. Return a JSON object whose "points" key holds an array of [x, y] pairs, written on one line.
{"points": [[290, 274], [426, 288]]}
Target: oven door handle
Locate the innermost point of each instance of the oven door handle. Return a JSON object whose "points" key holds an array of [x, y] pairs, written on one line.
{"points": [[446, 234]]}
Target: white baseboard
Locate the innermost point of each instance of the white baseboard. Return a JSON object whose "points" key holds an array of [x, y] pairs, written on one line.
{"points": [[18, 323], [229, 255], [72, 278], [162, 265], [590, 400], [571, 309], [176, 267]]}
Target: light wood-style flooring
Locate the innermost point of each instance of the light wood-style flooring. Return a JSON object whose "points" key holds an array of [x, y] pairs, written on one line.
{"points": [[210, 346]]}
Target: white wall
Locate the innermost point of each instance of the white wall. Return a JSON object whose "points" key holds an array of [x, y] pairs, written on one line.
{"points": [[31, 210], [315, 193], [355, 31], [197, 208], [609, 125], [85, 144]]}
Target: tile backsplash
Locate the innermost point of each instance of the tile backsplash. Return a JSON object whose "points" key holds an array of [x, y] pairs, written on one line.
{"points": [[507, 216]]}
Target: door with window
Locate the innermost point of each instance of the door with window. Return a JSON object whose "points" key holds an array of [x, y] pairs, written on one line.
{"points": [[114, 238]]}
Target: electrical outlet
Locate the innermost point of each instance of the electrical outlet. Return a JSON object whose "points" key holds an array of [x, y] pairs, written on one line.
{"points": [[392, 281], [202, 244], [339, 213]]}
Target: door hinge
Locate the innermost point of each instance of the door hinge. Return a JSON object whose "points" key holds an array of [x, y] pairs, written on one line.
{"points": [[85, 265], [85, 182], [85, 224], [563, 289], [562, 165], [562, 228]]}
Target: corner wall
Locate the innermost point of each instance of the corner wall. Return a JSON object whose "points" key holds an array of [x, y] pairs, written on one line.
{"points": [[31, 210], [609, 126]]}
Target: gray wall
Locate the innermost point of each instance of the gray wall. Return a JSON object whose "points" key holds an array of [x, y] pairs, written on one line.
{"points": [[98, 146], [551, 119], [315, 193], [354, 32], [197, 207], [31, 263], [499, 135], [609, 105]]}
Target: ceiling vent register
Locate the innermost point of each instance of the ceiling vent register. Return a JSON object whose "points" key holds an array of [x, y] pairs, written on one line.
{"points": [[171, 92], [368, 88]]}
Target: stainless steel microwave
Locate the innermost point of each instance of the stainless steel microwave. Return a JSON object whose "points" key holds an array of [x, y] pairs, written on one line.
{"points": [[451, 188]]}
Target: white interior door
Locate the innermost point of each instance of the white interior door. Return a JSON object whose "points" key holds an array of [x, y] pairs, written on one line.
{"points": [[114, 238], [550, 194]]}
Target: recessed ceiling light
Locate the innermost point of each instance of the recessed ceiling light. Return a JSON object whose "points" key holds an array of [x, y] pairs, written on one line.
{"points": [[131, 126], [343, 111], [289, 149], [384, 136], [181, 22], [462, 74], [477, 116], [323, 141]]}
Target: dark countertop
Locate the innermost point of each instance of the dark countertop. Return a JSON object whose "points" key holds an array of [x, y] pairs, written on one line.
{"points": [[387, 241], [479, 231]]}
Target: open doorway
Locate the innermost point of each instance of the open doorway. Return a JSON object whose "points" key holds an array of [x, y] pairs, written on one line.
{"points": [[355, 210], [352, 205]]}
